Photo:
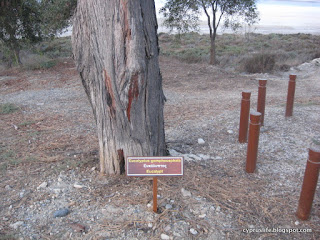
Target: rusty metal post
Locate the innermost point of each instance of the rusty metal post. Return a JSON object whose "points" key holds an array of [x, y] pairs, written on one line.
{"points": [[155, 193], [262, 99], [253, 142], [244, 117], [309, 184], [290, 96]]}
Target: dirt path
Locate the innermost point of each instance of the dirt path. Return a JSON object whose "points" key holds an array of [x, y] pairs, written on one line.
{"points": [[49, 145]]}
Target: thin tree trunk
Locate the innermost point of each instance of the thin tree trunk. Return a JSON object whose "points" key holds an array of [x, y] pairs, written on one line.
{"points": [[212, 51], [115, 47], [213, 47]]}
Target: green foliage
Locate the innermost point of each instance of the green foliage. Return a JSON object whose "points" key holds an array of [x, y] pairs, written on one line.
{"points": [[182, 15], [26, 22], [56, 15], [19, 21], [8, 108]]}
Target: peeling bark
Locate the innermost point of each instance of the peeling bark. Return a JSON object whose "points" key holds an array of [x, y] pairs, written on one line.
{"points": [[115, 48]]}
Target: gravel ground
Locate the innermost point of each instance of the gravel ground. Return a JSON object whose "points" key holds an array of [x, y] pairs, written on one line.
{"points": [[51, 160]]}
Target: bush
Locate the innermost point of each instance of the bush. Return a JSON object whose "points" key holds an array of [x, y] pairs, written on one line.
{"points": [[35, 62], [260, 63]]}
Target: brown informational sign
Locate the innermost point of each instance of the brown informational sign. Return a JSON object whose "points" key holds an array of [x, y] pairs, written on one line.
{"points": [[154, 166]]}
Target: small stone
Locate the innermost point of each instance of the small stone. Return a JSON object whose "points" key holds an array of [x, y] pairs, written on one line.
{"points": [[42, 185], [168, 206], [218, 158], [7, 187], [185, 193], [149, 205], [10, 207], [16, 225], [167, 228], [93, 169], [230, 131], [297, 223], [164, 237], [218, 209], [201, 141], [57, 191], [193, 231], [172, 201], [150, 225], [61, 212], [77, 186], [21, 194], [202, 215]]}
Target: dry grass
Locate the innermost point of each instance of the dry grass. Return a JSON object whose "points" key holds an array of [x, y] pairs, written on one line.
{"points": [[238, 51]]}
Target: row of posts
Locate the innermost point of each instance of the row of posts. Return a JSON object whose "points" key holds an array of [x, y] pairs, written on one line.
{"points": [[256, 120]]}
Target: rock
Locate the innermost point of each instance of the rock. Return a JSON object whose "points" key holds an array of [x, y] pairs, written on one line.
{"points": [[168, 206], [164, 237], [218, 209], [204, 157], [61, 212], [57, 191], [297, 223], [193, 156], [76, 185], [201, 141], [230, 131], [185, 193], [42, 185], [174, 153], [218, 158], [16, 225], [193, 231], [202, 215], [7, 187], [93, 169], [149, 205], [21, 194], [150, 225]]}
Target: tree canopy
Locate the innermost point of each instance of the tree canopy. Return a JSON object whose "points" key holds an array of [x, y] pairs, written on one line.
{"points": [[183, 15]]}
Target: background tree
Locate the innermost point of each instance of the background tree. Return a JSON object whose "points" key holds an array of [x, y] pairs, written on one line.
{"points": [[115, 48], [29, 21], [19, 21], [230, 12]]}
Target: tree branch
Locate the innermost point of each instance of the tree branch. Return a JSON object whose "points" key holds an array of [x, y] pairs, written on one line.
{"points": [[208, 16]]}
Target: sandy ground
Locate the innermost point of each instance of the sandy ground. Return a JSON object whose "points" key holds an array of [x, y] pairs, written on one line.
{"points": [[49, 160]]}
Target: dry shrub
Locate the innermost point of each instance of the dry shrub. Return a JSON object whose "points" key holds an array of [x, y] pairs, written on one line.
{"points": [[260, 63]]}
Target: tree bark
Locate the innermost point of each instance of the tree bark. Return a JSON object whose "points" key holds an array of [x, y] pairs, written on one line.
{"points": [[115, 48]]}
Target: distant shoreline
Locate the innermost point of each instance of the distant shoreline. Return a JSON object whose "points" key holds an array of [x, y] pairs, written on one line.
{"points": [[263, 29]]}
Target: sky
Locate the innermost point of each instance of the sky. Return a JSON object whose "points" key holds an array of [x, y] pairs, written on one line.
{"points": [[284, 16]]}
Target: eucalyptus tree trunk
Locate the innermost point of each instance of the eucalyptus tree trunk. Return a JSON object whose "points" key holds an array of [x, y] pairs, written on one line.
{"points": [[115, 47]]}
